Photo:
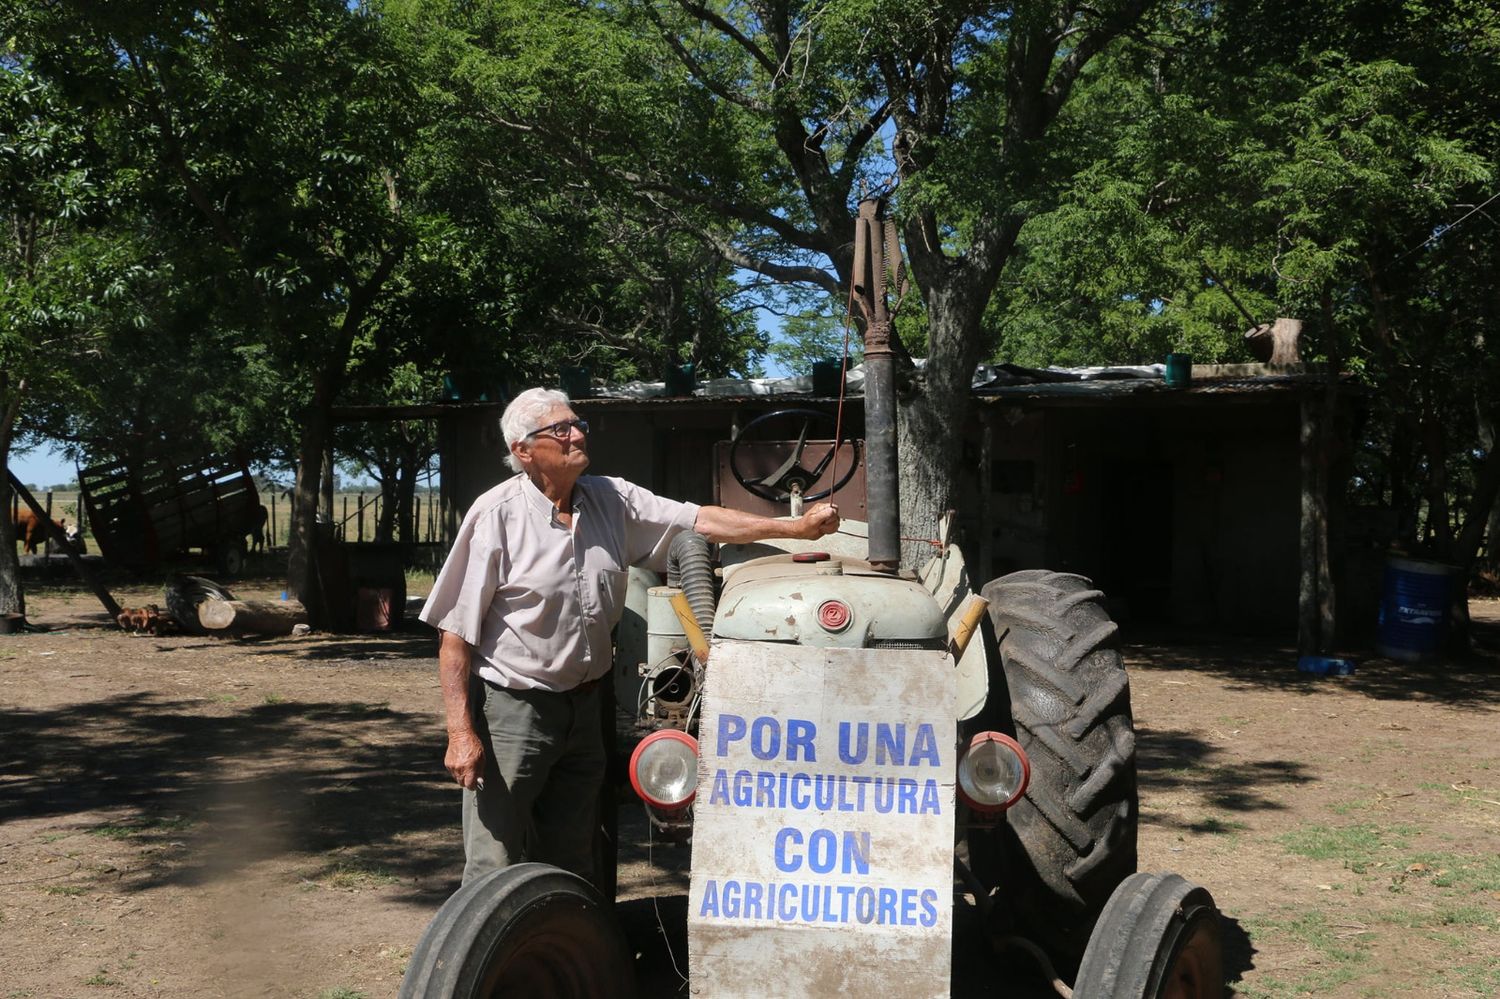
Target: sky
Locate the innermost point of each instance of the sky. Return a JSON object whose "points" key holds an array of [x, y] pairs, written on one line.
{"points": [[42, 466]]}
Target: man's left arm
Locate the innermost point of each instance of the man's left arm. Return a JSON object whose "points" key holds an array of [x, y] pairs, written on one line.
{"points": [[725, 526]]}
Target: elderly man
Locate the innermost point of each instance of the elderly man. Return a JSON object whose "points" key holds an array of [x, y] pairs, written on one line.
{"points": [[525, 605]]}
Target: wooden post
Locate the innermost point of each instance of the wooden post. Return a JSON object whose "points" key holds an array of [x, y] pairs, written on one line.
{"points": [[1314, 591], [359, 515], [24, 495], [47, 544], [986, 565], [416, 518], [271, 527]]}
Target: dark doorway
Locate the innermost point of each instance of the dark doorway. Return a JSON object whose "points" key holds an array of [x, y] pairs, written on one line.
{"points": [[1138, 540]]}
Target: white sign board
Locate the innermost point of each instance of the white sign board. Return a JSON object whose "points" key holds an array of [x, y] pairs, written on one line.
{"points": [[823, 826]]}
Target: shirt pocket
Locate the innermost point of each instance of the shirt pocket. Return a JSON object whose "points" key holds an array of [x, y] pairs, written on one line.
{"points": [[609, 587]]}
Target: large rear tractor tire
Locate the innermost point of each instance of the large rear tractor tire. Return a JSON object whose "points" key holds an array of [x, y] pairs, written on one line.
{"points": [[527, 930], [1158, 938], [1070, 840]]}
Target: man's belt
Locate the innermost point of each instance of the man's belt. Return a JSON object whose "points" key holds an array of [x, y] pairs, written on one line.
{"points": [[588, 685], [585, 687]]}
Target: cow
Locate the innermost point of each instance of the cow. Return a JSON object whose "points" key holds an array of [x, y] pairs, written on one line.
{"points": [[258, 534], [29, 530]]}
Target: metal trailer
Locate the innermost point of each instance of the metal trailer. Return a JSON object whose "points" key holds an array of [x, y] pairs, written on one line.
{"points": [[154, 509], [855, 751]]}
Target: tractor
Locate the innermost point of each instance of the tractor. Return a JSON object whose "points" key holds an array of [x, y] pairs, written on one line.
{"points": [[853, 752]]}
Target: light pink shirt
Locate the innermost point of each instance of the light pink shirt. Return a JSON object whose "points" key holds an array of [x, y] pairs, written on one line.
{"points": [[538, 601]]}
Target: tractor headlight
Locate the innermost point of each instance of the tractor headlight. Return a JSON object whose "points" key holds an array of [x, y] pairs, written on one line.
{"points": [[993, 772], [664, 770]]}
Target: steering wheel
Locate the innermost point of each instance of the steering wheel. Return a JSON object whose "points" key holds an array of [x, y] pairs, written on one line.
{"points": [[779, 485]]}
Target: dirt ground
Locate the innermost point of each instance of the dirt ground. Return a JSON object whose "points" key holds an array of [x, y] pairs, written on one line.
{"points": [[186, 816]]}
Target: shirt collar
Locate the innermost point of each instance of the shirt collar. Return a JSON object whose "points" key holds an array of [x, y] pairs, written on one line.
{"points": [[542, 505]]}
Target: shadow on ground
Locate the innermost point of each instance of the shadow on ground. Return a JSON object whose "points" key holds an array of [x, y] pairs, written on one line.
{"points": [[353, 784], [1468, 680]]}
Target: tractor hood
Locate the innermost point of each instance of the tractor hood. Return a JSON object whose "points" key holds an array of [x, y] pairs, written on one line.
{"points": [[838, 602]]}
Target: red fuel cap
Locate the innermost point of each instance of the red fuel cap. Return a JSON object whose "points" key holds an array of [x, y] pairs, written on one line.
{"points": [[810, 557], [834, 615]]}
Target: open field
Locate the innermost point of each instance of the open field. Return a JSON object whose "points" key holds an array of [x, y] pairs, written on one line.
{"points": [[184, 816]]}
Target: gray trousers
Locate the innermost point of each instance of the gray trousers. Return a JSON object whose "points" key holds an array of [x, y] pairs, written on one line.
{"points": [[544, 765]]}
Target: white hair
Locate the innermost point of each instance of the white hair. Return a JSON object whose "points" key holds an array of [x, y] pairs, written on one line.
{"points": [[524, 414]]}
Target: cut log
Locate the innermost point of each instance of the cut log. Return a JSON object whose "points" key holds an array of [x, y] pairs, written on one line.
{"points": [[1276, 343], [251, 617]]}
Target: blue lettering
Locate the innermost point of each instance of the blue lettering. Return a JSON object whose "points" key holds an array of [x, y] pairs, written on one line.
{"points": [[786, 836], [720, 793], [744, 787], [846, 892], [885, 794], [929, 907], [730, 896], [823, 792], [765, 790], [799, 797], [856, 852], [765, 738], [710, 906], [845, 805], [924, 746], [906, 794], [890, 744], [799, 735], [864, 905], [887, 906], [855, 753], [930, 805], [822, 850], [908, 907], [786, 903], [731, 729], [753, 892]]}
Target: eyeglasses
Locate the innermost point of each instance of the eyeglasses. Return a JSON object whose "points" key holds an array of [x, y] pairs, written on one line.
{"points": [[562, 429]]}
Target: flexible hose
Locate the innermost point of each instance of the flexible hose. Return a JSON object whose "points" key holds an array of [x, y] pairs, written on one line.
{"points": [[690, 569]]}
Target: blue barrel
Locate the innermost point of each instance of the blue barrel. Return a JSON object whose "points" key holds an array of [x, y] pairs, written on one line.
{"points": [[1414, 609]]}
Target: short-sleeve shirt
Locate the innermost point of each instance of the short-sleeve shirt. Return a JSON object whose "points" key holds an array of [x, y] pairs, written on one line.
{"points": [[538, 601]]}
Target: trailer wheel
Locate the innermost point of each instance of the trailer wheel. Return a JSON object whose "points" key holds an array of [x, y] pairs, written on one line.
{"points": [[1158, 938], [230, 554], [527, 930], [1067, 844]]}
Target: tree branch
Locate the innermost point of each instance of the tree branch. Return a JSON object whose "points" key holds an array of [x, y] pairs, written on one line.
{"points": [[696, 68], [707, 16]]}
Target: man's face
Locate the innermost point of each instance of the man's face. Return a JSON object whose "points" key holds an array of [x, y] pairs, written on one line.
{"points": [[551, 456]]}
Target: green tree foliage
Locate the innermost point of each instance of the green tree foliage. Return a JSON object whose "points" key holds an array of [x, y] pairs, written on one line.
{"points": [[1261, 159]]}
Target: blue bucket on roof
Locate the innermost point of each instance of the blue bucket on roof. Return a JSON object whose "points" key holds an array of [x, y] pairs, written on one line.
{"points": [[1414, 609]]}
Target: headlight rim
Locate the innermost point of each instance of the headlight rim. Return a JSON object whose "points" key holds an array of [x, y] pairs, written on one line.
{"points": [[987, 808], [666, 734]]}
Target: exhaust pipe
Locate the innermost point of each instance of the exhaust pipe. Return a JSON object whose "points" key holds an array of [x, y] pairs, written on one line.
{"points": [[867, 303]]}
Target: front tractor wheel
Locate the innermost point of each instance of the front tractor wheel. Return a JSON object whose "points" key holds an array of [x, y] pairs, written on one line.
{"points": [[1070, 840], [1158, 938], [527, 930]]}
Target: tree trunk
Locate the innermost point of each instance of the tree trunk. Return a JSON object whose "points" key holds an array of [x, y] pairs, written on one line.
{"points": [[251, 617], [931, 425], [12, 597], [317, 431], [304, 512], [1314, 531], [406, 494]]}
